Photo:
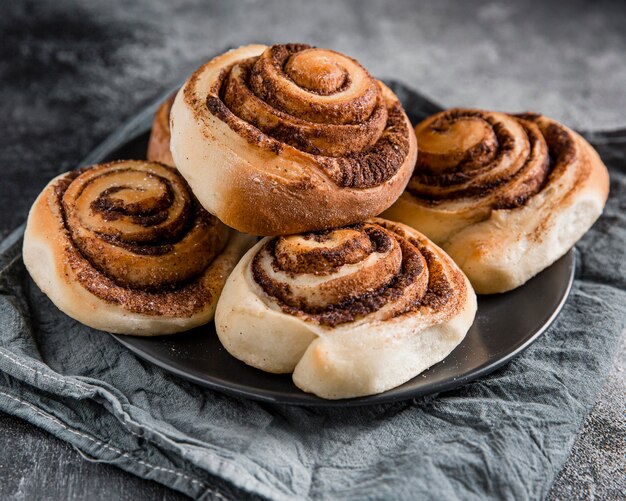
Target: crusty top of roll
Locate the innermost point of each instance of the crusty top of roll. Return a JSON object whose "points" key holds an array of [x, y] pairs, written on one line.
{"points": [[339, 114], [136, 237], [505, 195], [489, 157], [307, 139], [124, 247], [490, 160], [374, 269]]}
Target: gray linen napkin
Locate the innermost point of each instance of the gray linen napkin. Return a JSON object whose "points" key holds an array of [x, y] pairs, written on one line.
{"points": [[504, 436]]}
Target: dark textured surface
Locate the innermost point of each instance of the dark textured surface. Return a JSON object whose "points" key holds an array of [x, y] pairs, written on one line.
{"points": [[34, 465], [72, 71]]}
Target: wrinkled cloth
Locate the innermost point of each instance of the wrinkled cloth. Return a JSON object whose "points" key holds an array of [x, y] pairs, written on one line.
{"points": [[504, 436]]}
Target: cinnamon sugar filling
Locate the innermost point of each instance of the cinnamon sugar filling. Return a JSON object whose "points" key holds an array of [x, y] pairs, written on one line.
{"points": [[338, 276], [502, 162], [137, 237], [320, 102]]}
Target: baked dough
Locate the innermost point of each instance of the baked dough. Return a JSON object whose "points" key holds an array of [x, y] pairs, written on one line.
{"points": [[504, 195], [290, 138], [124, 247], [352, 311], [159, 142]]}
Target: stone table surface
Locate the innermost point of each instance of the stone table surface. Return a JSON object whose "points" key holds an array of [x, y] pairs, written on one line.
{"points": [[72, 71]]}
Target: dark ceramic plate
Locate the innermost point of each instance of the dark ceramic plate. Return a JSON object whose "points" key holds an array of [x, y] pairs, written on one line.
{"points": [[505, 324]]}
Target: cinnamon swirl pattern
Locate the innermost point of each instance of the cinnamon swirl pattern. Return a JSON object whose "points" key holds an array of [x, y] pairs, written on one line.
{"points": [[159, 142], [290, 138], [504, 195], [350, 311], [125, 247]]}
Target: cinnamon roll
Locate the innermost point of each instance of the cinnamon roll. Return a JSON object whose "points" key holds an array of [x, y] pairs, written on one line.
{"points": [[290, 138], [125, 247], [504, 195], [351, 311], [159, 142]]}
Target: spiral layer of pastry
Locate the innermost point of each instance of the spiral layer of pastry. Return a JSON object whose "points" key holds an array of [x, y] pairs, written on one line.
{"points": [[290, 138], [350, 311], [125, 247], [505, 195], [476, 158]]}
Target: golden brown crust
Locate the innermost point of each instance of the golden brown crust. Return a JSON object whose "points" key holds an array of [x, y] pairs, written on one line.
{"points": [[298, 139], [390, 268], [351, 311], [159, 142], [492, 159], [505, 195], [399, 271], [125, 247]]}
